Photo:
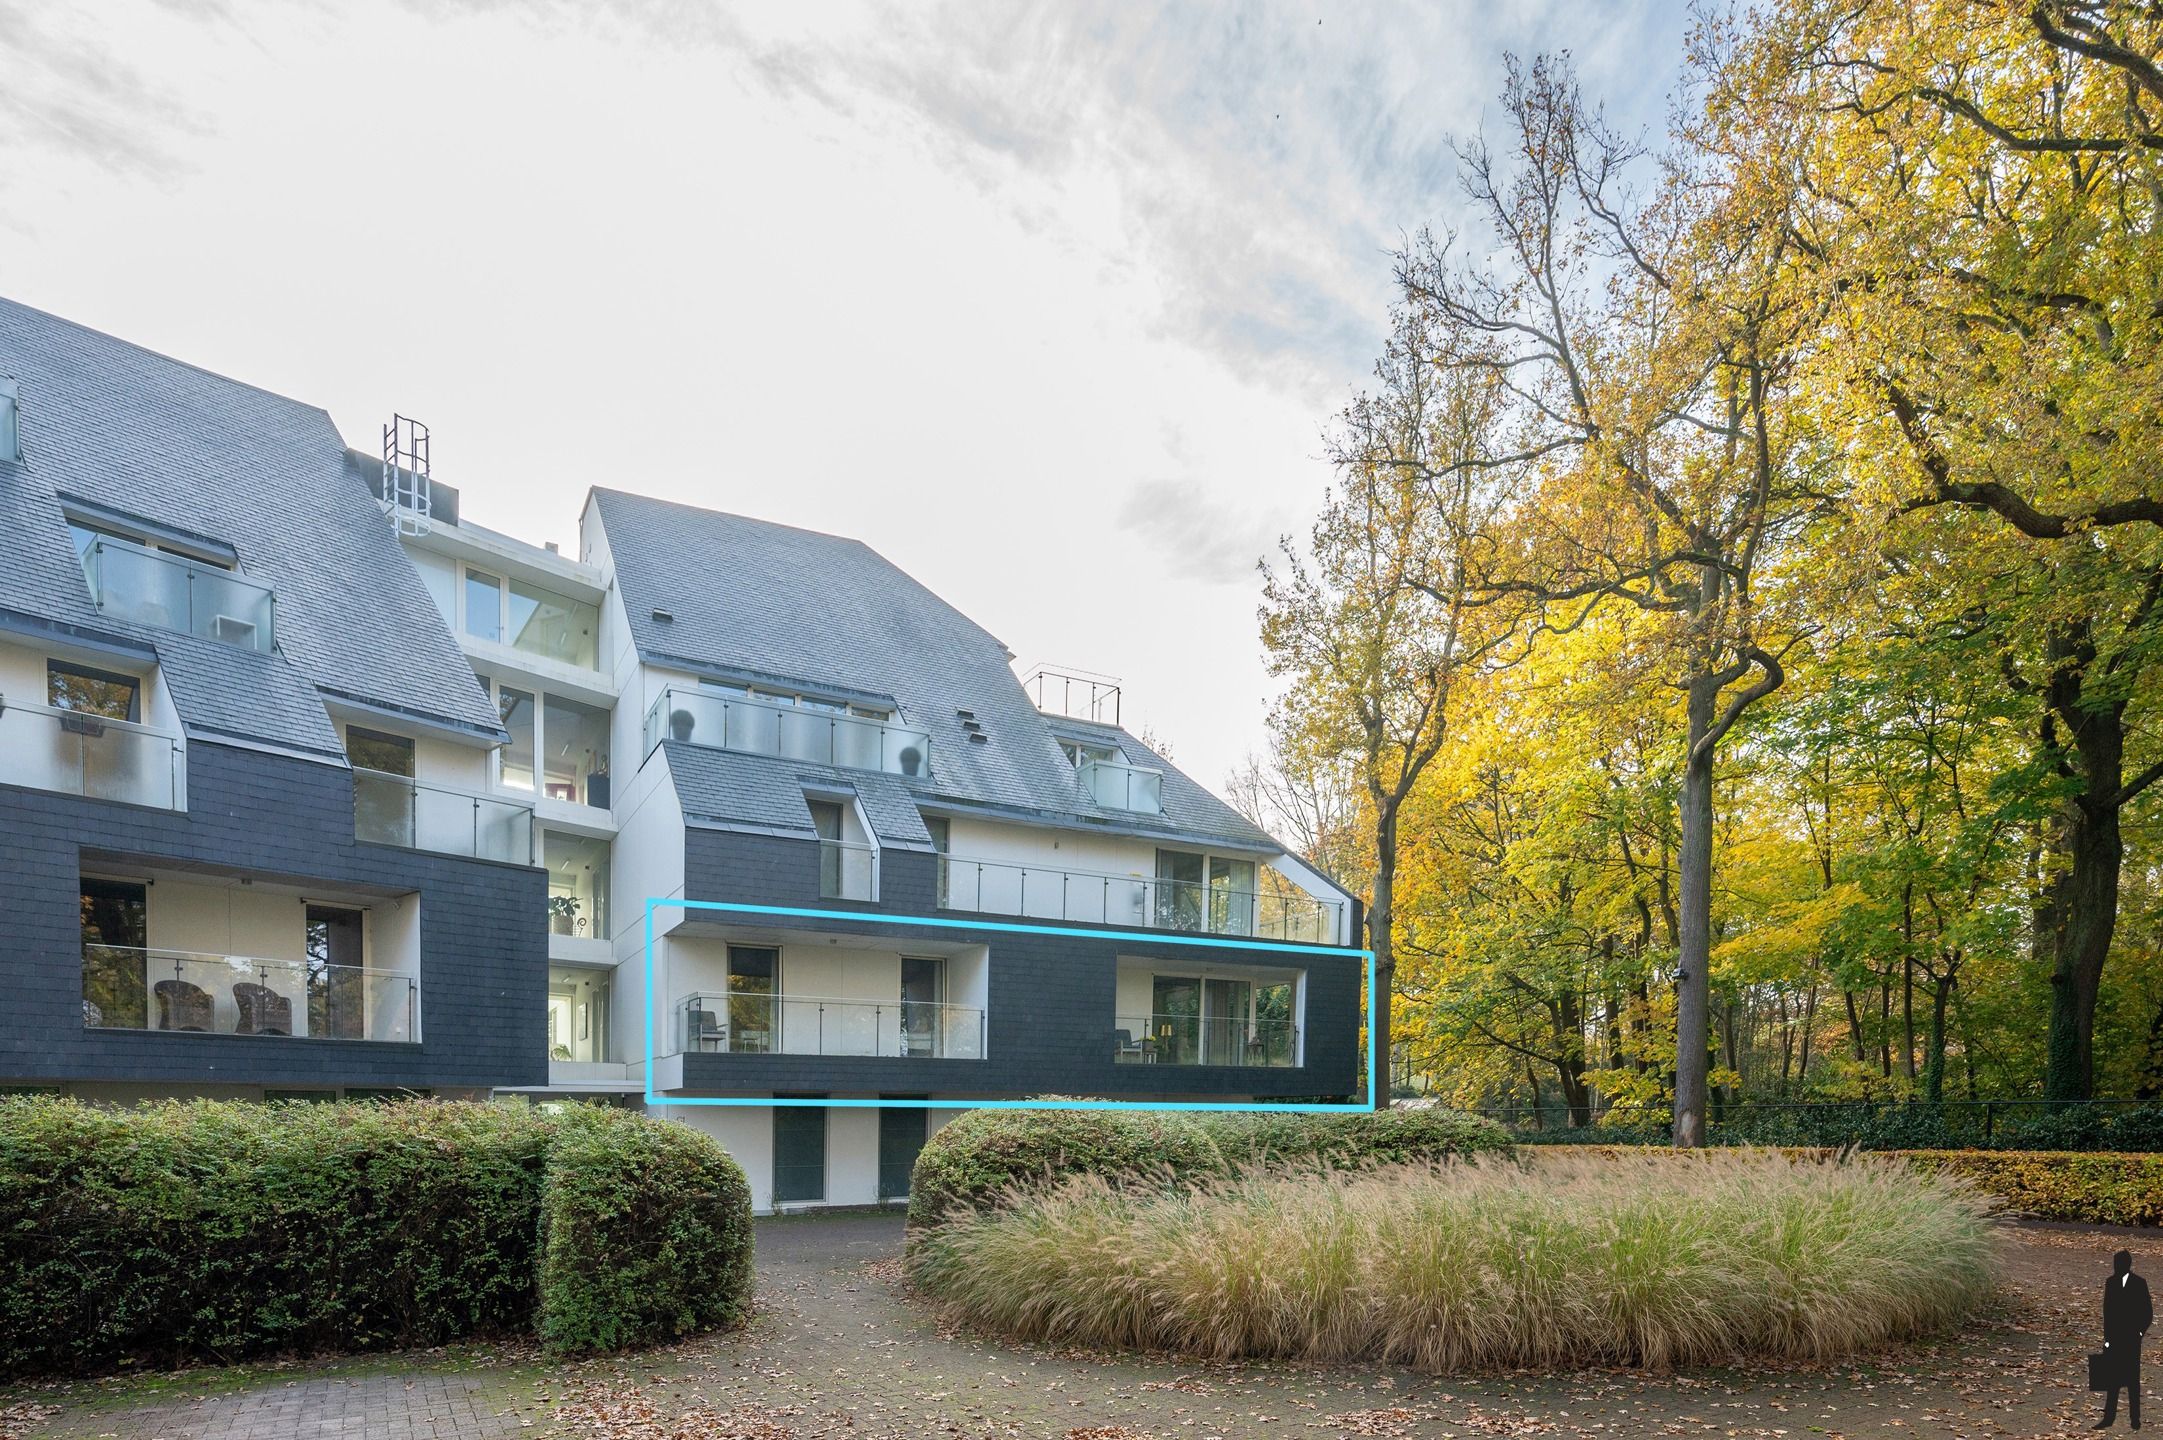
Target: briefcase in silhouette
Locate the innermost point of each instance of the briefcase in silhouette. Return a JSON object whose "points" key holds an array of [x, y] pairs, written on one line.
{"points": [[2102, 1371]]}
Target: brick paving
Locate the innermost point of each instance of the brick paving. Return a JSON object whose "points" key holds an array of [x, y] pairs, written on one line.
{"points": [[838, 1349]]}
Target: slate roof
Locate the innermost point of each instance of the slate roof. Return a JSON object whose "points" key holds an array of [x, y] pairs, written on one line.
{"points": [[823, 612], [113, 424]]}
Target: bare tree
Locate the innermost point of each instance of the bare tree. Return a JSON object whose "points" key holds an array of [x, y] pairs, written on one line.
{"points": [[1641, 348]]}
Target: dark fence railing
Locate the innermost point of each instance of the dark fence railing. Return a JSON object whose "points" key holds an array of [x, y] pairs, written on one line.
{"points": [[2016, 1124]]}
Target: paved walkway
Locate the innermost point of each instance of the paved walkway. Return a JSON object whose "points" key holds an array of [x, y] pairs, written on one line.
{"points": [[837, 1349]]}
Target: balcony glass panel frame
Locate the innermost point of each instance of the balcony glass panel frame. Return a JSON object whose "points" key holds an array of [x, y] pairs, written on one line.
{"points": [[142, 988], [413, 815], [75, 752], [760, 1023], [1244, 1042], [166, 591], [1279, 911], [1116, 785], [818, 736]]}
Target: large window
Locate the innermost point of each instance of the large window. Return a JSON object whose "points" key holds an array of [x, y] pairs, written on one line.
{"points": [[574, 752], [532, 619], [116, 928], [518, 712], [577, 885], [484, 605], [337, 981], [557, 746], [93, 692], [577, 1014], [754, 1012]]}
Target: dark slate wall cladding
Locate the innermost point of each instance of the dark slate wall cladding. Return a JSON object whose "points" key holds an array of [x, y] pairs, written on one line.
{"points": [[484, 942], [1051, 1001]]}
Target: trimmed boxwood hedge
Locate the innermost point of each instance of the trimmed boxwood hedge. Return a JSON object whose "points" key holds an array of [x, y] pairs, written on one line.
{"points": [[212, 1230], [648, 1234], [2097, 1189], [983, 1154]]}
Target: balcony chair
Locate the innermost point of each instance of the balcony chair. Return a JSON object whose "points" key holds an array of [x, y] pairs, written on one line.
{"points": [[263, 1011], [182, 1006], [1130, 1049], [706, 1031]]}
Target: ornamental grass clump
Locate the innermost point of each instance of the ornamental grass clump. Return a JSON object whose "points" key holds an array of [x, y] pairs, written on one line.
{"points": [[1651, 1261]]}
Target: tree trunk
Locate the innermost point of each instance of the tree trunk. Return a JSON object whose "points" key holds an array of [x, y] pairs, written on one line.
{"points": [[1570, 1059], [1907, 978], [1693, 922], [1855, 1024], [2080, 908], [1934, 1059], [1385, 964]]}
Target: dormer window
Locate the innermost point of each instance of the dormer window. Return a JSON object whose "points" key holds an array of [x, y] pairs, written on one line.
{"points": [[10, 446], [151, 578], [1077, 754]]}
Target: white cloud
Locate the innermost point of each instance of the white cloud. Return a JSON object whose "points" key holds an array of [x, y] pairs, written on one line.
{"points": [[1049, 303]]}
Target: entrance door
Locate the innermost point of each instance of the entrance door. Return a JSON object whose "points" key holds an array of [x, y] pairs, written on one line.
{"points": [[901, 1136], [1175, 1021], [799, 1153]]}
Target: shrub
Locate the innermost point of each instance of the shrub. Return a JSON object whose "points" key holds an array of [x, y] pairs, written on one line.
{"points": [[1565, 1261], [2098, 1189], [1353, 1141], [211, 1230], [980, 1155], [647, 1234], [984, 1155]]}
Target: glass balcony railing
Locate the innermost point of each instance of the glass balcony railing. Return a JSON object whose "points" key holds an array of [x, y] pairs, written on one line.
{"points": [[1116, 785], [150, 587], [741, 1022], [848, 870], [760, 727], [393, 810], [127, 988], [77, 753], [1204, 1040], [1036, 892]]}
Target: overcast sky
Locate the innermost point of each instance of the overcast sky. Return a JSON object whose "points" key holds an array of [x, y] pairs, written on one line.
{"points": [[1050, 304]]}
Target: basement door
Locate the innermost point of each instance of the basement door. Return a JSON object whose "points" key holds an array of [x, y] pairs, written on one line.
{"points": [[901, 1136]]}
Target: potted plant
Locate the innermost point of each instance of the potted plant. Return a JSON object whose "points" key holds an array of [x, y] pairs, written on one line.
{"points": [[563, 913]]}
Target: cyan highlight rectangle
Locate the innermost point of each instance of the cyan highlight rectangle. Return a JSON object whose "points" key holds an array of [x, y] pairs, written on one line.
{"points": [[941, 922]]}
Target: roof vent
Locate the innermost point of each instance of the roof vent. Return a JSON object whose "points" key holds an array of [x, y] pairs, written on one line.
{"points": [[664, 616], [964, 714], [977, 737]]}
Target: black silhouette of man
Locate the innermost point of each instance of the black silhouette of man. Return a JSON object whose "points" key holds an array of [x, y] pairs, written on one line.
{"points": [[2126, 1317]]}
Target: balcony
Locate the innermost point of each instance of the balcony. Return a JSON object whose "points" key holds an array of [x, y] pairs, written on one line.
{"points": [[394, 810], [171, 592], [1090, 897], [126, 988], [741, 1022], [1196, 1040], [1116, 785], [848, 870], [77, 753], [759, 727]]}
